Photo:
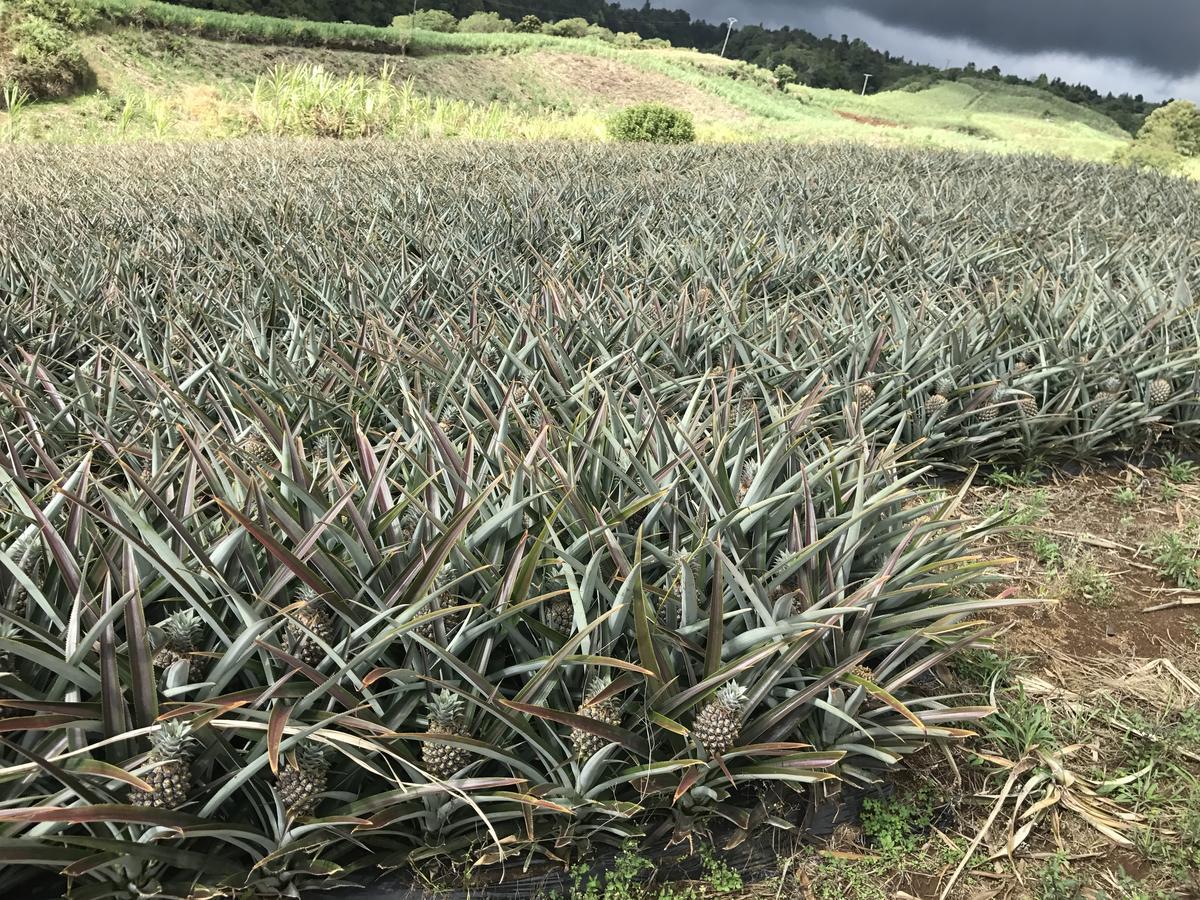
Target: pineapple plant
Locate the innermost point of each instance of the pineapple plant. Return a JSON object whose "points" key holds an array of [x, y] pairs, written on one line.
{"points": [[719, 721], [8, 632], [312, 619], [607, 711], [182, 631], [303, 778], [445, 719], [559, 615], [1159, 392], [170, 779]]}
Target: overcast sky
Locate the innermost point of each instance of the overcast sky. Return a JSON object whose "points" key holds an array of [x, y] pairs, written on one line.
{"points": [[1151, 47]]}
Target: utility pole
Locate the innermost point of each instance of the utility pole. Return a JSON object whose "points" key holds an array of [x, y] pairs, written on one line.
{"points": [[728, 31], [866, 78]]}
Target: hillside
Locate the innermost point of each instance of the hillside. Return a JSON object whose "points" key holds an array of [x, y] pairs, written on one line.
{"points": [[166, 83]]}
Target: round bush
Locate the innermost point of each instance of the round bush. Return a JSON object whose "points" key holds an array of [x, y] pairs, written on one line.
{"points": [[655, 123]]}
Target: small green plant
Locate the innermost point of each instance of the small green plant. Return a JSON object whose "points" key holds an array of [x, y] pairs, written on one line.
{"points": [[1176, 560], [15, 99], [1026, 477], [654, 123], [1085, 583], [1047, 551], [1020, 724], [1056, 880], [719, 878], [1168, 492], [1126, 497], [897, 825], [1179, 471], [1032, 510]]}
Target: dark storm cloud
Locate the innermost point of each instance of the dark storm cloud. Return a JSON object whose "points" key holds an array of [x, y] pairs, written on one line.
{"points": [[1163, 35]]}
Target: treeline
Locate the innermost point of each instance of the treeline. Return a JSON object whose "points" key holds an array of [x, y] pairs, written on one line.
{"points": [[823, 62]]}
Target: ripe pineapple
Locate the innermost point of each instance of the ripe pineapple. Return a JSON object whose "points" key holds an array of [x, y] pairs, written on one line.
{"points": [[1028, 407], [171, 776], [313, 617], [182, 631], [607, 711], [718, 723], [445, 718], [303, 777], [1159, 392], [864, 394], [936, 404], [989, 411], [559, 615]]}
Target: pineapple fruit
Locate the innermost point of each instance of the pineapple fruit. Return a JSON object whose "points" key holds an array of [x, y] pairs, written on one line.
{"points": [[1159, 392], [1028, 407], [445, 718], [1109, 393], [607, 711], [559, 615], [304, 776], [445, 598], [864, 394], [936, 404], [719, 721], [257, 452], [182, 630], [171, 777], [314, 618]]}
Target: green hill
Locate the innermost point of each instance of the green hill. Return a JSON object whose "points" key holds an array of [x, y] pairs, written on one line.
{"points": [[170, 72]]}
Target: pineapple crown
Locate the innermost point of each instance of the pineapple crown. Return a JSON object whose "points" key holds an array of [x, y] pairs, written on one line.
{"points": [[1112, 384], [945, 385], [732, 696], [749, 470], [596, 685], [310, 756], [182, 629], [308, 595], [445, 577], [446, 708], [173, 740]]}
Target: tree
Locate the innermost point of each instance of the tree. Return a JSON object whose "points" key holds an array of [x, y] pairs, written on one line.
{"points": [[574, 27], [529, 25], [784, 75], [1175, 126]]}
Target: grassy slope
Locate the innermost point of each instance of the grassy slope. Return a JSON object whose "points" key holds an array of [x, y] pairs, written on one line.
{"points": [[157, 82]]}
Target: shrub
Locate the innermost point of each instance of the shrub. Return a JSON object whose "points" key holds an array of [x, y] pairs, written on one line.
{"points": [[627, 39], [529, 25], [600, 33], [427, 20], [784, 75], [1175, 126], [485, 23], [655, 123], [656, 43], [38, 53], [574, 28], [1149, 155]]}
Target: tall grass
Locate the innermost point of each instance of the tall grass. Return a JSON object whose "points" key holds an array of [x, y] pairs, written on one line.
{"points": [[312, 102]]}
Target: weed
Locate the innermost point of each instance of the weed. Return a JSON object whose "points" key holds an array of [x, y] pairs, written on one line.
{"points": [[1019, 725], [1168, 492], [1085, 583], [1176, 560], [1014, 478], [1047, 551], [1056, 880], [1179, 471], [1125, 496], [898, 825]]}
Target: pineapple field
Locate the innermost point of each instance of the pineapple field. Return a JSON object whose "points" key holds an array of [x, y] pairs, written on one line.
{"points": [[493, 508]]}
